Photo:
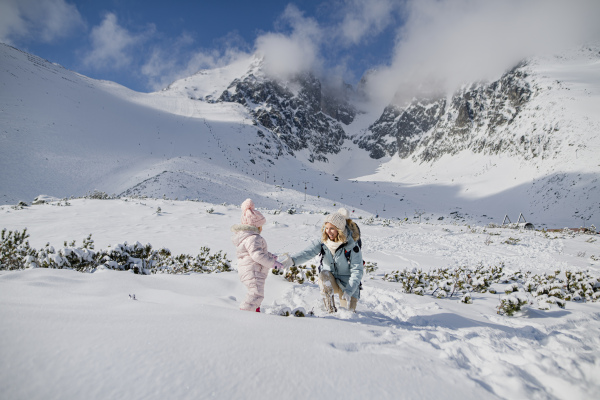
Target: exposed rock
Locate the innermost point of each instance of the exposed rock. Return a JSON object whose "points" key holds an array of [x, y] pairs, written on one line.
{"points": [[299, 112]]}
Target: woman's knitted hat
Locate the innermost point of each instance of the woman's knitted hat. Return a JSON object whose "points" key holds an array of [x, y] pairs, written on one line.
{"points": [[338, 220], [251, 216]]}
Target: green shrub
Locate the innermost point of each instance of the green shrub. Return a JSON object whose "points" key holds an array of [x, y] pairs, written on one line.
{"points": [[511, 304], [547, 289], [15, 253]]}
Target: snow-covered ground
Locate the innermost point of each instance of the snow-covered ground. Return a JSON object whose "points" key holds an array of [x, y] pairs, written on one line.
{"points": [[68, 335]]}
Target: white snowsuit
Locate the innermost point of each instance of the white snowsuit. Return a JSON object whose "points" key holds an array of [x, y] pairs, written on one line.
{"points": [[254, 263]]}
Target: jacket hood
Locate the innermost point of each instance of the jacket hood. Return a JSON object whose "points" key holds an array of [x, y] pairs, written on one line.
{"points": [[242, 231], [349, 239]]}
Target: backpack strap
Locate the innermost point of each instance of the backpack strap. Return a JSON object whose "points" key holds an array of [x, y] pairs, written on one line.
{"points": [[348, 254]]}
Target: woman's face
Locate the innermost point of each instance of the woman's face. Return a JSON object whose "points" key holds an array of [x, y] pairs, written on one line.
{"points": [[331, 231]]}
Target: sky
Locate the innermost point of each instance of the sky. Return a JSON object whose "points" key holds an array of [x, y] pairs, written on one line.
{"points": [[409, 46]]}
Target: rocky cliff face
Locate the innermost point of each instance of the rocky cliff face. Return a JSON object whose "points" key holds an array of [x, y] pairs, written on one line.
{"points": [[478, 117], [301, 113]]}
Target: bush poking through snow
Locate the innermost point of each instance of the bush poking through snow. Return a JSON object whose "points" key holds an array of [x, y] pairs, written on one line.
{"points": [[512, 241], [98, 195], [452, 281], [511, 304], [370, 267], [15, 253], [467, 299], [299, 275], [547, 289], [299, 312], [285, 312]]}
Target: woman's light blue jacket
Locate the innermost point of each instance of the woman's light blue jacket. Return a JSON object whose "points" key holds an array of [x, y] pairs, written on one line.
{"points": [[347, 274]]}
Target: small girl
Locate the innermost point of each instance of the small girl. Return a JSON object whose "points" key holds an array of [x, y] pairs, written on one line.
{"points": [[254, 261]]}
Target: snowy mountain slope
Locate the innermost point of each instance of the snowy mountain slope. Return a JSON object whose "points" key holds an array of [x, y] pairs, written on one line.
{"points": [[534, 111], [64, 134], [532, 133]]}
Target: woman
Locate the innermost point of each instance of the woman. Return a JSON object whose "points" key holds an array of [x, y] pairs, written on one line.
{"points": [[341, 266]]}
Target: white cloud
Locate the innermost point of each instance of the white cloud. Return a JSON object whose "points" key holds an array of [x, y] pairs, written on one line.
{"points": [[364, 19], [113, 45], [173, 60], [298, 51], [37, 20], [448, 42]]}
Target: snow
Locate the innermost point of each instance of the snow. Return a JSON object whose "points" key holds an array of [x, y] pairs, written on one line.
{"points": [[67, 334]]}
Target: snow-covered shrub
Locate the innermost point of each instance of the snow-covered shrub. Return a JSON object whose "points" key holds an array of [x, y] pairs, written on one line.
{"points": [[299, 312], [412, 281], [15, 252], [21, 205], [98, 195], [143, 259], [467, 299], [512, 241], [512, 303], [299, 274], [451, 281], [370, 267], [547, 289], [79, 259], [285, 312], [581, 286], [512, 288], [369, 221]]}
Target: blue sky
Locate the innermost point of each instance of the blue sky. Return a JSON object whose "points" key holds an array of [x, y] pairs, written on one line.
{"points": [[414, 45], [116, 39]]}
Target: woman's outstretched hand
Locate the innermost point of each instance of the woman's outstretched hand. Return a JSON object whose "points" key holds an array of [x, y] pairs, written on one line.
{"points": [[286, 260]]}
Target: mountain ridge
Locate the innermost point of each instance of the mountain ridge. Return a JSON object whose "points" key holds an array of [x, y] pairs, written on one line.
{"points": [[65, 134]]}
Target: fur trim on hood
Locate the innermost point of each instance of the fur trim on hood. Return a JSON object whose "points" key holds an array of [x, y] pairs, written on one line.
{"points": [[354, 229], [244, 228]]}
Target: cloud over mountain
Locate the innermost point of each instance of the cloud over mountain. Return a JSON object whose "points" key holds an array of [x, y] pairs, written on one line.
{"points": [[442, 44]]}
